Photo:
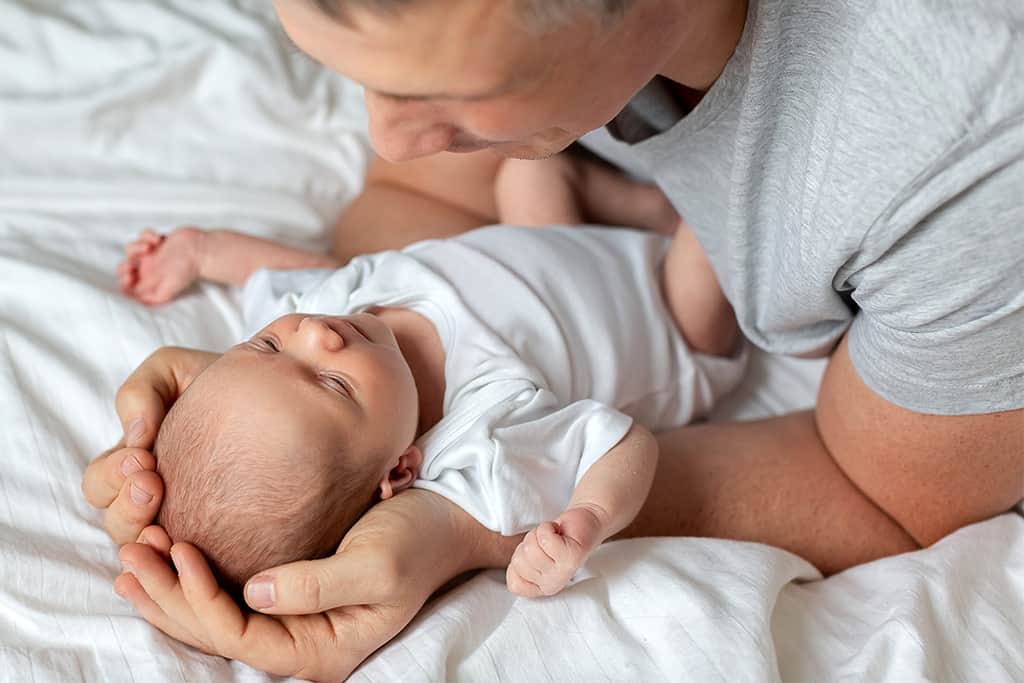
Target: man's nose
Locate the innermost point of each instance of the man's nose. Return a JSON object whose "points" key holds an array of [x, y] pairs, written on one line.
{"points": [[400, 132], [318, 335]]}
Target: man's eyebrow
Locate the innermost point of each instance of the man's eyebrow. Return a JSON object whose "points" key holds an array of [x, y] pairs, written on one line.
{"points": [[502, 89]]}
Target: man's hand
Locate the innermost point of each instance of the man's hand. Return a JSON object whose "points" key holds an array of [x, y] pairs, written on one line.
{"points": [[351, 604], [157, 268], [122, 480]]}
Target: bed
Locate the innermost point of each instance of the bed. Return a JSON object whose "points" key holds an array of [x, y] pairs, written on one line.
{"points": [[121, 114]]}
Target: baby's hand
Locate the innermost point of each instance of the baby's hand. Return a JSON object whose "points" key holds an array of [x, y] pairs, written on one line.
{"points": [[156, 268], [549, 556]]}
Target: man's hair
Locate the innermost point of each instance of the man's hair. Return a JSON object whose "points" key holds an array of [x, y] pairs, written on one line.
{"points": [[539, 15], [246, 502]]}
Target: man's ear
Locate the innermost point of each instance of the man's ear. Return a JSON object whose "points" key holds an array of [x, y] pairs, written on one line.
{"points": [[403, 474]]}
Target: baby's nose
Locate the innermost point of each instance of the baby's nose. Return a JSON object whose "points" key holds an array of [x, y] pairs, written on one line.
{"points": [[317, 332]]}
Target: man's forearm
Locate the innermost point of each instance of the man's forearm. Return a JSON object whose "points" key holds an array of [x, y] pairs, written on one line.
{"points": [[477, 546], [387, 217], [428, 198], [771, 481]]}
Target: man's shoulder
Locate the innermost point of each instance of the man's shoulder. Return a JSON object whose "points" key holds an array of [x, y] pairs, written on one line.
{"points": [[959, 59]]}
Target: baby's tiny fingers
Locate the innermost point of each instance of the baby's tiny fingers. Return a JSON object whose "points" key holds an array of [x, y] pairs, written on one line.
{"points": [[534, 549], [137, 249], [520, 586], [552, 584], [553, 543], [152, 237]]}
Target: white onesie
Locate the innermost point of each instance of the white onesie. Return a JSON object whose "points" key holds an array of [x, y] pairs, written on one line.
{"points": [[555, 340]]}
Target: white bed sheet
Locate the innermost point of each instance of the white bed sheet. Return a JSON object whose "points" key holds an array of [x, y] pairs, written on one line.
{"points": [[117, 114]]}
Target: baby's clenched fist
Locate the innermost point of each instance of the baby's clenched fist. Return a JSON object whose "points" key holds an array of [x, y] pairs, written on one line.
{"points": [[550, 555]]}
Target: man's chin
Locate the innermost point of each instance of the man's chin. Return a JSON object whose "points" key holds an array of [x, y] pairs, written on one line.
{"points": [[511, 150]]}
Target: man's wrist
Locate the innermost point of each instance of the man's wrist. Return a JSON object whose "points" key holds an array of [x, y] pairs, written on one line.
{"points": [[480, 548]]}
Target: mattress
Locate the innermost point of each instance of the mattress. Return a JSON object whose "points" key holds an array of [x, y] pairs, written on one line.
{"points": [[116, 115]]}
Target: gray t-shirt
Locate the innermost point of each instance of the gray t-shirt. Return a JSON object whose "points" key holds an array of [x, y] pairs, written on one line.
{"points": [[859, 165]]}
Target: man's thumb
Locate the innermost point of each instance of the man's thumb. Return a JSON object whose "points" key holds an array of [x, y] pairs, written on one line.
{"points": [[313, 586]]}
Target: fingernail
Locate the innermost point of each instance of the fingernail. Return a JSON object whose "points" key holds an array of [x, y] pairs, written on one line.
{"points": [[130, 466], [138, 496], [135, 431], [259, 592], [125, 567]]}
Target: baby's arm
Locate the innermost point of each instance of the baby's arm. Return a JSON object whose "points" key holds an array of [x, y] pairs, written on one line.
{"points": [[157, 267], [607, 499]]}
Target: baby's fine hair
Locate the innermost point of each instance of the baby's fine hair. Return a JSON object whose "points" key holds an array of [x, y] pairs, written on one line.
{"points": [[247, 503]]}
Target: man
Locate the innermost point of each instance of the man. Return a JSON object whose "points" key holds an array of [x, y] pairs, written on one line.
{"points": [[851, 169]]}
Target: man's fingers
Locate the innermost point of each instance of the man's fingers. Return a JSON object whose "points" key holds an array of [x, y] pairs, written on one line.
{"points": [[105, 475], [129, 588], [311, 586], [156, 538], [135, 506], [260, 641], [161, 584], [141, 407], [93, 473], [215, 609]]}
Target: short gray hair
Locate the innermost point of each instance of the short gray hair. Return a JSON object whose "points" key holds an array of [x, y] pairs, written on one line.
{"points": [[540, 15]]}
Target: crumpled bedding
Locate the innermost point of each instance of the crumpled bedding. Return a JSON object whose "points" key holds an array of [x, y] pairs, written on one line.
{"points": [[121, 114]]}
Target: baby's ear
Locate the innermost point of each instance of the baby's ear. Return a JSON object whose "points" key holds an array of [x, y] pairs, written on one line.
{"points": [[403, 474]]}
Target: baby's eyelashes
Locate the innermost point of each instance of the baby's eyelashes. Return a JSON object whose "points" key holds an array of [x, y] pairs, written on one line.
{"points": [[339, 385], [266, 343]]}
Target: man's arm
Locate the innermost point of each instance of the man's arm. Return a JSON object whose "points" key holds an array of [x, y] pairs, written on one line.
{"points": [[931, 473], [428, 198], [856, 480]]}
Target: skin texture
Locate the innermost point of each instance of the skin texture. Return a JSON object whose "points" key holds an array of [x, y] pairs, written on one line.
{"points": [[431, 88], [857, 479], [326, 379]]}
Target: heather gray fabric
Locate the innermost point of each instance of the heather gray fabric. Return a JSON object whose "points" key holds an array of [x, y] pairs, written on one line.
{"points": [[862, 163]]}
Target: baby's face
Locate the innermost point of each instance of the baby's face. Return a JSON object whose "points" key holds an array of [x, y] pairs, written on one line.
{"points": [[324, 379]]}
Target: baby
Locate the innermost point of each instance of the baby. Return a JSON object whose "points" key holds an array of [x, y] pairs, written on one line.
{"points": [[507, 369]]}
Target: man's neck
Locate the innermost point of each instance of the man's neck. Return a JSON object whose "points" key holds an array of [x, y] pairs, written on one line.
{"points": [[711, 32]]}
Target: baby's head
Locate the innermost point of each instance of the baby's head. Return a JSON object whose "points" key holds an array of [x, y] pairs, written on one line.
{"points": [[275, 450]]}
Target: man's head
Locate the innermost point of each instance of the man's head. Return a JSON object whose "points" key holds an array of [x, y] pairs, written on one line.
{"points": [[279, 446], [524, 77]]}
